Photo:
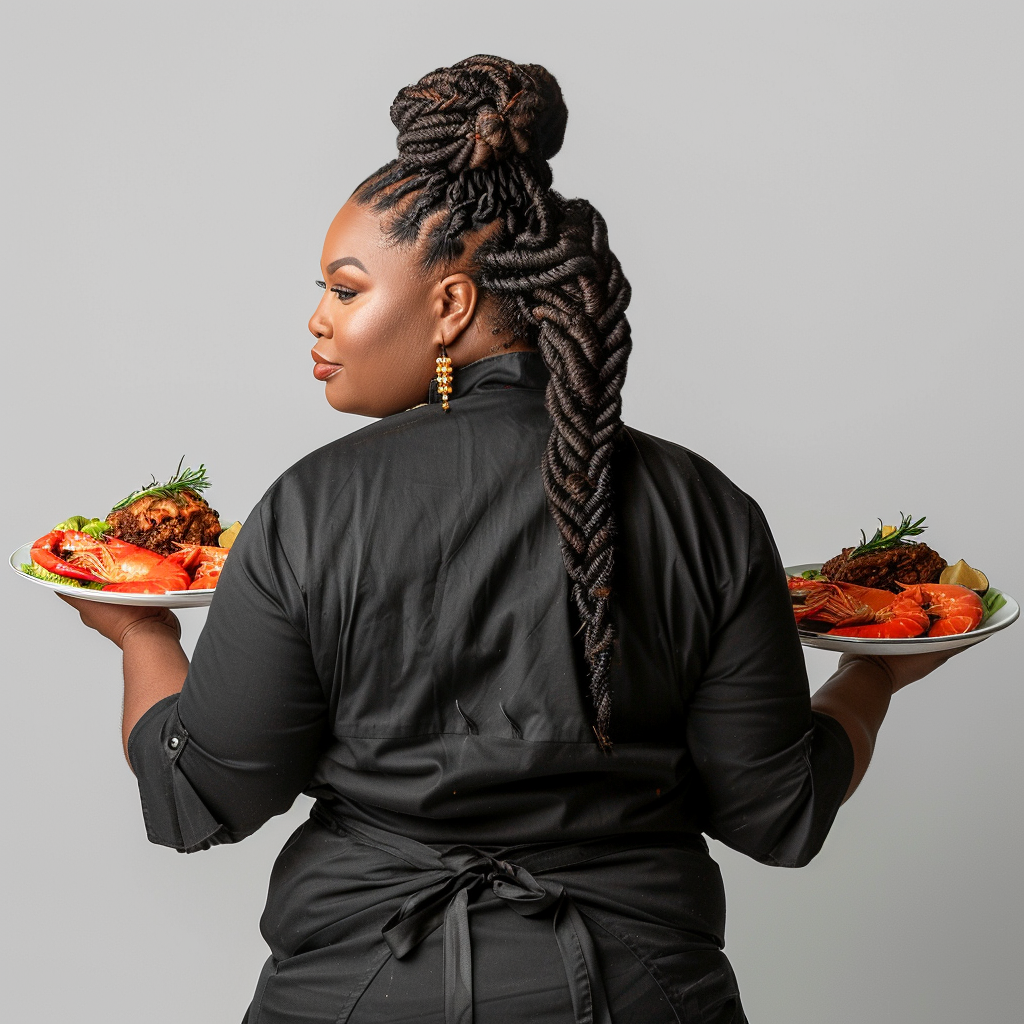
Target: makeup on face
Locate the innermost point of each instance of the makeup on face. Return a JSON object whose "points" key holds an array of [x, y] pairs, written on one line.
{"points": [[376, 323], [346, 261], [324, 371]]}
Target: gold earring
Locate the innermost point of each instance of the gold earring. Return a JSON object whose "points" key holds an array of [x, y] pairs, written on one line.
{"points": [[444, 376]]}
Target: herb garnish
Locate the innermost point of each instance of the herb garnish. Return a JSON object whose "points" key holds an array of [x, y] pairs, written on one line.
{"points": [[178, 487], [878, 542]]}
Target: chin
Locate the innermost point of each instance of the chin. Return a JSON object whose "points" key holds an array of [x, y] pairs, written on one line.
{"points": [[345, 395], [339, 396], [345, 403], [344, 399]]}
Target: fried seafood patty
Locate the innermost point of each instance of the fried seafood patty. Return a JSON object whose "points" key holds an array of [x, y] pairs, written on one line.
{"points": [[160, 524], [885, 570]]}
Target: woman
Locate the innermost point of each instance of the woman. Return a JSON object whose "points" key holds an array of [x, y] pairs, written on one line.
{"points": [[522, 656]]}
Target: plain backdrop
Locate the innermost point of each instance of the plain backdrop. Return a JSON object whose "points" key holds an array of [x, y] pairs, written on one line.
{"points": [[819, 207]]}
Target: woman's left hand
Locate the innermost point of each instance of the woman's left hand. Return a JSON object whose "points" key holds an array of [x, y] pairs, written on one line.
{"points": [[904, 669], [117, 621]]}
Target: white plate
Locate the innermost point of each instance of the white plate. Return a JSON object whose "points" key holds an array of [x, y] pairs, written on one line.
{"points": [[998, 620], [172, 599]]}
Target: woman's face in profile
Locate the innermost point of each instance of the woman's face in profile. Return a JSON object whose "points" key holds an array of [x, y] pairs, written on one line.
{"points": [[376, 326]]}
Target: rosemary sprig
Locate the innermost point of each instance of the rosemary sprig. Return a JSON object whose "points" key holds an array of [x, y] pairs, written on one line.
{"points": [[183, 481], [907, 528]]}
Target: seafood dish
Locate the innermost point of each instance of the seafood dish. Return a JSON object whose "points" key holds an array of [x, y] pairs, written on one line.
{"points": [[163, 538], [115, 566], [920, 609], [892, 588]]}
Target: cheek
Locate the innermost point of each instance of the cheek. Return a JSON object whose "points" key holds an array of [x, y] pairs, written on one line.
{"points": [[386, 351], [384, 327], [381, 346]]}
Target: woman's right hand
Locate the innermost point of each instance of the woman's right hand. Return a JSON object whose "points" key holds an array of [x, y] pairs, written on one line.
{"points": [[116, 622], [904, 669]]}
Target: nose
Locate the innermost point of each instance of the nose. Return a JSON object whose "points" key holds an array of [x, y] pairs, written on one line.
{"points": [[319, 325]]}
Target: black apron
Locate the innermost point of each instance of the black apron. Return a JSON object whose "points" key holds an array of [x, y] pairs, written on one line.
{"points": [[628, 944]]}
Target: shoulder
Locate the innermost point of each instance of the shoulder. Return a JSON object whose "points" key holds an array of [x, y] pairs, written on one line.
{"points": [[678, 471], [671, 495], [332, 473], [382, 437]]}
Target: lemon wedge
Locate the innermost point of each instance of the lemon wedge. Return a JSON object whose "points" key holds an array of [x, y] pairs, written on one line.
{"points": [[963, 575], [227, 537]]}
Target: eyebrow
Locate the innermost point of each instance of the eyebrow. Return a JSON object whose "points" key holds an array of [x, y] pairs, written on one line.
{"points": [[346, 261]]}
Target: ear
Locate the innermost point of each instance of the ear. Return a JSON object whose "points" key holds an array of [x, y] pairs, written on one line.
{"points": [[455, 301]]}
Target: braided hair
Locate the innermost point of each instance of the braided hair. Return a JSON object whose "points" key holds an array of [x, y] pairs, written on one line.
{"points": [[474, 142]]}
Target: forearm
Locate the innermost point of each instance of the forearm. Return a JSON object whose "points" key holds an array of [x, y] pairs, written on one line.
{"points": [[857, 696], [155, 666]]}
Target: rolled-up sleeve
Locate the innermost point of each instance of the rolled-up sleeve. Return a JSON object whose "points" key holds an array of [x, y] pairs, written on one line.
{"points": [[774, 772], [243, 737]]}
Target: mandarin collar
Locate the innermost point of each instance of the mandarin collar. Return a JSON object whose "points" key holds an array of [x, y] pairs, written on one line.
{"points": [[522, 370]]}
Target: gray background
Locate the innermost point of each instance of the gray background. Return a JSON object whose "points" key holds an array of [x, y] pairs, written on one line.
{"points": [[819, 208]]}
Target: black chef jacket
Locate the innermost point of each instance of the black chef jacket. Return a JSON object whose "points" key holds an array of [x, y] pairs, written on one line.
{"points": [[393, 635]]}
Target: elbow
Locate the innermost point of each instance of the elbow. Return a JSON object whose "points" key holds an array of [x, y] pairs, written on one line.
{"points": [[793, 858], [788, 831], [785, 852]]}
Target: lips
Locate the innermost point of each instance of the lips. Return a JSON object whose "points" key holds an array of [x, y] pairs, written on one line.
{"points": [[323, 371]]}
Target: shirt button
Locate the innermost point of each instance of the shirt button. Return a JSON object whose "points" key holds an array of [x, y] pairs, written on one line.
{"points": [[174, 742]]}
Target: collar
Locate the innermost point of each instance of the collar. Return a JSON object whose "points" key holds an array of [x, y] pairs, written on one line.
{"points": [[520, 370]]}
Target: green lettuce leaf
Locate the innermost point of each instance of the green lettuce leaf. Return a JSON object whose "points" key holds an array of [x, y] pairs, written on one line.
{"points": [[72, 523], [94, 527], [31, 569], [992, 601]]}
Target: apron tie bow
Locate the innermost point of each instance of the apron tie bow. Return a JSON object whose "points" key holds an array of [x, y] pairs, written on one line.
{"points": [[446, 903]]}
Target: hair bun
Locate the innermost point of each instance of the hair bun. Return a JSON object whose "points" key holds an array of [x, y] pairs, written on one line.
{"points": [[477, 112]]}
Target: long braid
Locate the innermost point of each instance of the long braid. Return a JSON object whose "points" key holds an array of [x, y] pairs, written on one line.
{"points": [[474, 141]]}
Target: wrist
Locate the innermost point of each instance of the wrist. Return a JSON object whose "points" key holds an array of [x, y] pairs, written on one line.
{"points": [[151, 626], [880, 668]]}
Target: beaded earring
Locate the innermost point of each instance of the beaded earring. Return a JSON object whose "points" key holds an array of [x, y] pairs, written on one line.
{"points": [[444, 376]]}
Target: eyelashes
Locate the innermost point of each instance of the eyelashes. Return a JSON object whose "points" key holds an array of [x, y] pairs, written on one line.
{"points": [[343, 293]]}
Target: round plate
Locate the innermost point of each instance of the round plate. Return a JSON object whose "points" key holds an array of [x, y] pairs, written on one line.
{"points": [[998, 620], [172, 599]]}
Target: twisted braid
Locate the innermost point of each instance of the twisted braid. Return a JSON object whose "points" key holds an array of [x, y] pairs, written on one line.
{"points": [[474, 141]]}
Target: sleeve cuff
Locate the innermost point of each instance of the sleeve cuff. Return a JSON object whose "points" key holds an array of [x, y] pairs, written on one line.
{"points": [[829, 759], [174, 813]]}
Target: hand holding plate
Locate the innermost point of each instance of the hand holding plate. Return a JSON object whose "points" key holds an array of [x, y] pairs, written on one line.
{"points": [[117, 621], [904, 669]]}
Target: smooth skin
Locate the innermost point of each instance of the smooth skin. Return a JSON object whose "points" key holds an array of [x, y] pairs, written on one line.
{"points": [[381, 322], [379, 328]]}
